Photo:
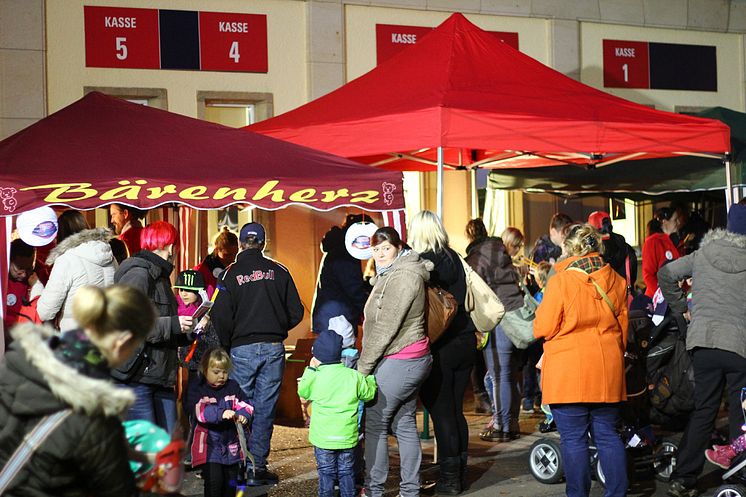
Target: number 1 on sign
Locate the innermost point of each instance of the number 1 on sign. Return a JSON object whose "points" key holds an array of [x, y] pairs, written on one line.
{"points": [[233, 53], [625, 69]]}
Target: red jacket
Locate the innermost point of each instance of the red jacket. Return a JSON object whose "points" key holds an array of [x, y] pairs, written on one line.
{"points": [[656, 251], [131, 238]]}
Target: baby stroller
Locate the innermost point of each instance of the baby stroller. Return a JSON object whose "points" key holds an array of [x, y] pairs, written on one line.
{"points": [[735, 478], [647, 455], [246, 484]]}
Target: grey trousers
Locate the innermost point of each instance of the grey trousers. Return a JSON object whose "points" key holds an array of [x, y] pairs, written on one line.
{"points": [[395, 405]]}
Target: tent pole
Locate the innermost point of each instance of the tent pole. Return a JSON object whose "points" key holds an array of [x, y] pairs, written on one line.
{"points": [[728, 184], [440, 183]]}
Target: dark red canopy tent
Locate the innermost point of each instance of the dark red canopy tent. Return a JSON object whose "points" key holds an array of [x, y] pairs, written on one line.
{"points": [[484, 104], [101, 150]]}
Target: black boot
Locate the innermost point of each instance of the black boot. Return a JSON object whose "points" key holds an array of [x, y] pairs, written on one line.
{"points": [[449, 482], [462, 470]]}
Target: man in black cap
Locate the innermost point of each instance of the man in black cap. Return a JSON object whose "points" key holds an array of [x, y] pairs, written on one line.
{"points": [[257, 304]]}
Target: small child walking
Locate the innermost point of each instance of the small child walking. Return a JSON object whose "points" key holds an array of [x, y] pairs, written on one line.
{"points": [[217, 402], [335, 391]]}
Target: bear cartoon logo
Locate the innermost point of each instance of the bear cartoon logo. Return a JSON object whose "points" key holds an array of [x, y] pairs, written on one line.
{"points": [[388, 193], [8, 196]]}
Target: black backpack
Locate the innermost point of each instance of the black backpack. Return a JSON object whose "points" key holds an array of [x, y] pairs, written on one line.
{"points": [[672, 385]]}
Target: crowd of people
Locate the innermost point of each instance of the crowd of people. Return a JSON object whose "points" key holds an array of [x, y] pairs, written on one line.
{"points": [[99, 332]]}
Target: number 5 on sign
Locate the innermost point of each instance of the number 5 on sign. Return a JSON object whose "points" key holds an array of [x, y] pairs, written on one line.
{"points": [[121, 48], [233, 53]]}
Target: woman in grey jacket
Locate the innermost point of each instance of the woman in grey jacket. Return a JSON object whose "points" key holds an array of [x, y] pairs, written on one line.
{"points": [[716, 337], [396, 350]]}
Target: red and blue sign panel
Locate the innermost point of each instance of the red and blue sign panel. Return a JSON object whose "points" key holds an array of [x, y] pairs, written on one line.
{"points": [[175, 39], [659, 66]]}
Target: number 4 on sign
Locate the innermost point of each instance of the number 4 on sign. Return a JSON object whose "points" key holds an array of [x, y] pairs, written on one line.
{"points": [[233, 53]]}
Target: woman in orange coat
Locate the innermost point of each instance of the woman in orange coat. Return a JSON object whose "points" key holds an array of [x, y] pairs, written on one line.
{"points": [[583, 320]]}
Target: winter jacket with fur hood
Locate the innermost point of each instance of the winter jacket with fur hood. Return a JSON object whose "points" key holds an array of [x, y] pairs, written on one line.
{"points": [[156, 363], [395, 311], [84, 258], [84, 456], [718, 272]]}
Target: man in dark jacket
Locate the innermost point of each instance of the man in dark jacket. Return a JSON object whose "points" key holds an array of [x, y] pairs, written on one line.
{"points": [[716, 338], [257, 304], [151, 373]]}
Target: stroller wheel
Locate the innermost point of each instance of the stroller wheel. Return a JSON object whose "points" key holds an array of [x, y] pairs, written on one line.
{"points": [[730, 490], [545, 461], [599, 472], [664, 460]]}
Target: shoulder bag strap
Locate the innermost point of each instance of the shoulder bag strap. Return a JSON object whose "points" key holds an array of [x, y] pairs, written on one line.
{"points": [[598, 289], [29, 445]]}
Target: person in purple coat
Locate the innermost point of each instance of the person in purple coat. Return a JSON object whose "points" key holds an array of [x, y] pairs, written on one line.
{"points": [[218, 403]]}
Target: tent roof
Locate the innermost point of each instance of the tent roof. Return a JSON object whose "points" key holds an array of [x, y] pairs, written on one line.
{"points": [[674, 174], [462, 88], [100, 150]]}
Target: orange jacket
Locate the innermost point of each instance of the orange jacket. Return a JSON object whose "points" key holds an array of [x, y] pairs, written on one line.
{"points": [[584, 341]]}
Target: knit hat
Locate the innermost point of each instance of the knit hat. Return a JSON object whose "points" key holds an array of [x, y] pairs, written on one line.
{"points": [[190, 280], [343, 328], [737, 219], [328, 347]]}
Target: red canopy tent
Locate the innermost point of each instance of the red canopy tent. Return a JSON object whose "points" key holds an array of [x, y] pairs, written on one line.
{"points": [[102, 150], [481, 103]]}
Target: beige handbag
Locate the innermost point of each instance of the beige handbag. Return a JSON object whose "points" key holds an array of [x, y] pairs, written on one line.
{"points": [[483, 306]]}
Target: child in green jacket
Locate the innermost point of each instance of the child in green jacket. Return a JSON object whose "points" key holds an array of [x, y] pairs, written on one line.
{"points": [[335, 391]]}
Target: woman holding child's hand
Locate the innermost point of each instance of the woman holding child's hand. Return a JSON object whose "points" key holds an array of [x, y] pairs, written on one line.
{"points": [[396, 350]]}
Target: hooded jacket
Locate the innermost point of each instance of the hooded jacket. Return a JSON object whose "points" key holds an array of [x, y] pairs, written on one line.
{"points": [[657, 250], [84, 258], [490, 260], [584, 340], [156, 363], [718, 272], [395, 311], [340, 289], [86, 455]]}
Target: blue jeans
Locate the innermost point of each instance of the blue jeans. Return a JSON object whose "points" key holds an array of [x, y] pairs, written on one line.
{"points": [[155, 404], [258, 369], [499, 381], [336, 465], [574, 422]]}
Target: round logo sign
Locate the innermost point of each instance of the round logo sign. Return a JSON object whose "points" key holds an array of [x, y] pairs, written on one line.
{"points": [[357, 240], [669, 255], [11, 300]]}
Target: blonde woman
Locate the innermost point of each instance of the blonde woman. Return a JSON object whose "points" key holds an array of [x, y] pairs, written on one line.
{"points": [[86, 454], [583, 320], [453, 354]]}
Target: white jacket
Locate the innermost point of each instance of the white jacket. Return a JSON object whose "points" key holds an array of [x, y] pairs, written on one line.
{"points": [[84, 258]]}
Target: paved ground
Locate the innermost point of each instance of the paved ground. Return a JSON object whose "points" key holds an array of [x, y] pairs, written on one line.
{"points": [[494, 469]]}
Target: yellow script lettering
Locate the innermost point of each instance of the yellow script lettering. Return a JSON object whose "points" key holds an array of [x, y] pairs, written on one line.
{"points": [[194, 193], [83, 190], [304, 195], [225, 192], [366, 196], [127, 191], [267, 190], [157, 192], [331, 196]]}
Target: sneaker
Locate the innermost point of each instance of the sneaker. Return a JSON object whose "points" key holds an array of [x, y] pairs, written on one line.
{"points": [[527, 406], [677, 489], [491, 435], [547, 426], [720, 455]]}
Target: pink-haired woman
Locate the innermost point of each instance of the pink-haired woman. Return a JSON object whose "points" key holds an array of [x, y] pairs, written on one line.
{"points": [[151, 372]]}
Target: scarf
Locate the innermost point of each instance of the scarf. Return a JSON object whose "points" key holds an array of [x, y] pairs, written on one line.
{"points": [[383, 270]]}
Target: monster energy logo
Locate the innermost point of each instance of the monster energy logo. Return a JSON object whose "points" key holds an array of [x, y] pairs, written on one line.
{"points": [[188, 279]]}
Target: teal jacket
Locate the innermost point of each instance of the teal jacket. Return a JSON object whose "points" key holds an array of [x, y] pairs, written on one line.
{"points": [[335, 391]]}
